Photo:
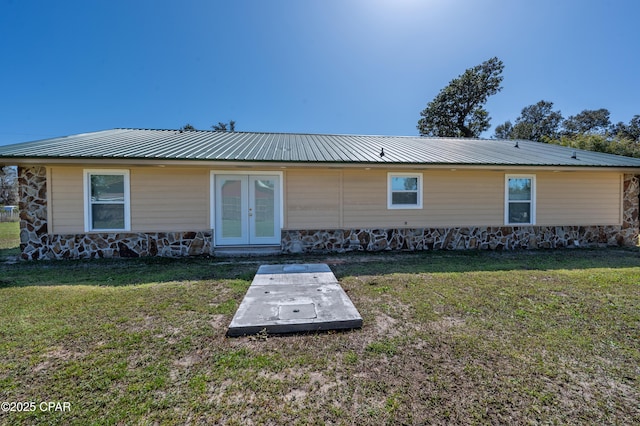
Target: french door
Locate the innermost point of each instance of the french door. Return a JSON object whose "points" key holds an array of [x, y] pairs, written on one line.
{"points": [[247, 209]]}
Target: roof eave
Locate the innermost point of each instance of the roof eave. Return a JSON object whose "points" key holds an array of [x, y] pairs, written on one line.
{"points": [[154, 162]]}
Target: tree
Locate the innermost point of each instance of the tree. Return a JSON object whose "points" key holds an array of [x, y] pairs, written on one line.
{"points": [[600, 143], [458, 110], [222, 127], [589, 121], [504, 130], [629, 131], [8, 186], [187, 127], [536, 122], [594, 133]]}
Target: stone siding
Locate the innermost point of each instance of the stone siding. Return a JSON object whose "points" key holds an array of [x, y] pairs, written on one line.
{"points": [[32, 190], [122, 244], [631, 206], [465, 238]]}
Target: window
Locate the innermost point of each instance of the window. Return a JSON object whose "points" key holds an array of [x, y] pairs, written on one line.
{"points": [[520, 196], [404, 191], [106, 200]]}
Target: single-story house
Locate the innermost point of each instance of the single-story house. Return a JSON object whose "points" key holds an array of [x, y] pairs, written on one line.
{"points": [[139, 192]]}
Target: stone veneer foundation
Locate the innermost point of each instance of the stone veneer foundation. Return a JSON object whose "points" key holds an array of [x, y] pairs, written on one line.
{"points": [[457, 238], [121, 244], [37, 243]]}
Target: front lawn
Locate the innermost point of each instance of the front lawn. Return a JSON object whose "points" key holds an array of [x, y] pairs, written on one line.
{"points": [[448, 338], [9, 239]]}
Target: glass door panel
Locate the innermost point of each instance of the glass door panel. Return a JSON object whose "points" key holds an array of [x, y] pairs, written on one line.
{"points": [[264, 215], [231, 210]]}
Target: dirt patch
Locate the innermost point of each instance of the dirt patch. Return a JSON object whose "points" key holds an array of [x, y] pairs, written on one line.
{"points": [[385, 325], [295, 395], [188, 361], [446, 323], [171, 334], [54, 356], [219, 322]]}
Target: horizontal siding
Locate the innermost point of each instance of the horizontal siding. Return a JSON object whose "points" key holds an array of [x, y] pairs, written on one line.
{"points": [[162, 199], [450, 198], [67, 202], [177, 199], [312, 199], [463, 198], [167, 199], [365, 202], [579, 198]]}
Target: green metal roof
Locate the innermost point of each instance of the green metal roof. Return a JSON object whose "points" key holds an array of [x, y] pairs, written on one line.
{"points": [[144, 144]]}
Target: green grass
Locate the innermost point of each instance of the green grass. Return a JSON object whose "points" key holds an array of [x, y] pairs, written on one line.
{"points": [[9, 239], [448, 338]]}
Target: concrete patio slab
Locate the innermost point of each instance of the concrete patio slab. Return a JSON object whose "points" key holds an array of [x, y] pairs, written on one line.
{"points": [[294, 298]]}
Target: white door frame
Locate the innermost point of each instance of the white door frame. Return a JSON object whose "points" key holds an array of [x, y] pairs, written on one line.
{"points": [[212, 194]]}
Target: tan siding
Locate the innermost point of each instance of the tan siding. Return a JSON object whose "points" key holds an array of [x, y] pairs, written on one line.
{"points": [[365, 202], [67, 202], [169, 199], [579, 198], [162, 199], [464, 198], [175, 199], [450, 198], [312, 199]]}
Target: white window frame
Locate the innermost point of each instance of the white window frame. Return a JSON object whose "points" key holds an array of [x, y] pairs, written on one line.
{"points": [[532, 202], [390, 205], [87, 198]]}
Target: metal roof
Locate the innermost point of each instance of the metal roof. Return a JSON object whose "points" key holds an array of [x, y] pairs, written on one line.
{"points": [[145, 144]]}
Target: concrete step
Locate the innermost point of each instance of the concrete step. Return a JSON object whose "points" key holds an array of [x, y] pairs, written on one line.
{"points": [[294, 298], [243, 251]]}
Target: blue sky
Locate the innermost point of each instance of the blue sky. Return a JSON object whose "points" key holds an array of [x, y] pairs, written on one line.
{"points": [[330, 66]]}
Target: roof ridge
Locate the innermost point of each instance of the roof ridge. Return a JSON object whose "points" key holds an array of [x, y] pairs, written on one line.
{"points": [[310, 134]]}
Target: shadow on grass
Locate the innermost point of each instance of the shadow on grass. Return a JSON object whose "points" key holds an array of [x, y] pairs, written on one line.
{"points": [[9, 253], [476, 261], [119, 272]]}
